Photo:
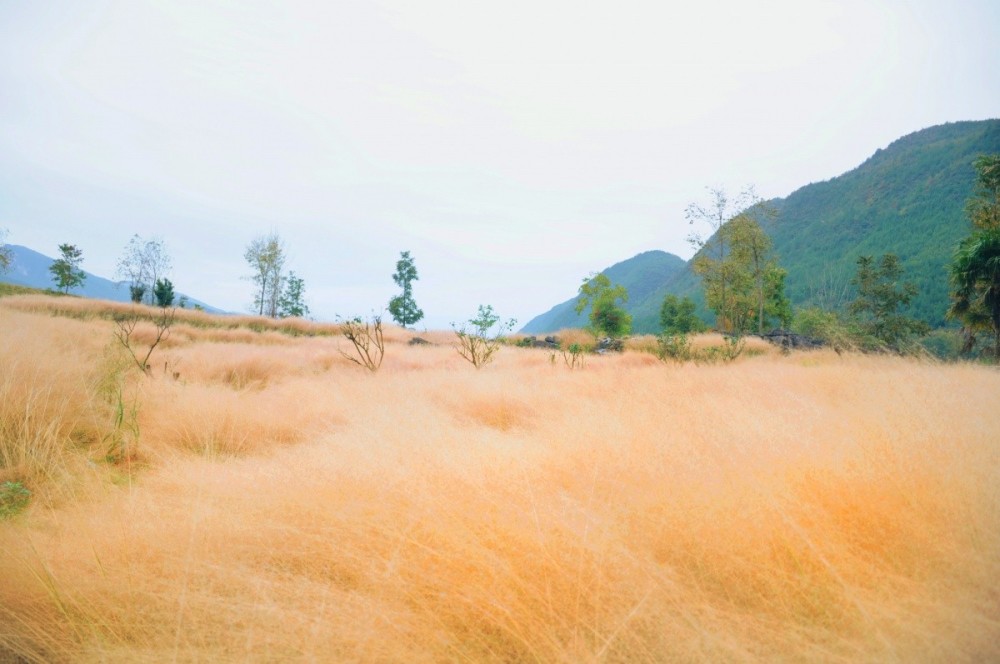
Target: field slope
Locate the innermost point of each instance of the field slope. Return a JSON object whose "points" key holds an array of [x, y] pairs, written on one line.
{"points": [[281, 504]]}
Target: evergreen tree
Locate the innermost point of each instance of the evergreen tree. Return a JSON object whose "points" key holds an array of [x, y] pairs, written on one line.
{"points": [[292, 303], [163, 293], [880, 295], [403, 308]]}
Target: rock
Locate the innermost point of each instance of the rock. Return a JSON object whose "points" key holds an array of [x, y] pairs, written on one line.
{"points": [[607, 344], [788, 340], [532, 342], [417, 341]]}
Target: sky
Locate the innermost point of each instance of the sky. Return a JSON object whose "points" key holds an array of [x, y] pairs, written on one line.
{"points": [[513, 148]]}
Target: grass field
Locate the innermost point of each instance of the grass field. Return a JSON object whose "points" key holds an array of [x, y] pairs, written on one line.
{"points": [[260, 498]]}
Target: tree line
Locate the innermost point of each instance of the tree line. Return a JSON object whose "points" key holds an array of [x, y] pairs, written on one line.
{"points": [[742, 280], [744, 284]]}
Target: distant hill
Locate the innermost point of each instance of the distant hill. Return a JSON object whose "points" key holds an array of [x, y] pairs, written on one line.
{"points": [[30, 268], [908, 199], [641, 275]]}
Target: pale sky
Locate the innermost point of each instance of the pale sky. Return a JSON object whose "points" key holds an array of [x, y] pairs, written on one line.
{"points": [[512, 147]]}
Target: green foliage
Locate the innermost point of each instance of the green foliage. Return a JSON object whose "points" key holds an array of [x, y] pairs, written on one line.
{"points": [[573, 356], [136, 292], [66, 272], [606, 317], [827, 326], [880, 296], [743, 283], [983, 208], [367, 338], [292, 304], [643, 276], [677, 316], [678, 348], [943, 343], [403, 308], [143, 264], [908, 199], [266, 257], [478, 341], [163, 292], [975, 265], [14, 497], [674, 346], [975, 279]]}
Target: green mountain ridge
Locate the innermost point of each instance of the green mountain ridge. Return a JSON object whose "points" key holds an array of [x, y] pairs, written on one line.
{"points": [[642, 275], [908, 199]]}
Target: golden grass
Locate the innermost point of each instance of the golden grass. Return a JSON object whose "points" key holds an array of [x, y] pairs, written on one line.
{"points": [[286, 505]]}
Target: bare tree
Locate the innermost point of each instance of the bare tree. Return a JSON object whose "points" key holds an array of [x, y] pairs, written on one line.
{"points": [[143, 263], [6, 255], [266, 257], [125, 325]]}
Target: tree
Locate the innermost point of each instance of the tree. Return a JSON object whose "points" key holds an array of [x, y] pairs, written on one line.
{"points": [[677, 316], [266, 256], [743, 283], [606, 317], [975, 280], [975, 266], [66, 272], [143, 264], [6, 255], [476, 342], [163, 292], [292, 303], [710, 261], [984, 206], [761, 276], [880, 295], [403, 308]]}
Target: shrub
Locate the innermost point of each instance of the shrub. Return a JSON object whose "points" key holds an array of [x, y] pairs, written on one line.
{"points": [[476, 342], [676, 347], [14, 497], [368, 340]]}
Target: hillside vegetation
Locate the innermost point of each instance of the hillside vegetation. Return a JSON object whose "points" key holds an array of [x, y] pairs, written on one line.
{"points": [[641, 275], [908, 199], [281, 504]]}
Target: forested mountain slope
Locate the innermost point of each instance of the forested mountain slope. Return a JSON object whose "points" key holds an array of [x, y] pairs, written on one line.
{"points": [[908, 199]]}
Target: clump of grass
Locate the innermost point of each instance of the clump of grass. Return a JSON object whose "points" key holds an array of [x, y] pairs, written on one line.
{"points": [[14, 497]]}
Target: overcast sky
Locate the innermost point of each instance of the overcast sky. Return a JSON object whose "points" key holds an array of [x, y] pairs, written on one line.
{"points": [[512, 147]]}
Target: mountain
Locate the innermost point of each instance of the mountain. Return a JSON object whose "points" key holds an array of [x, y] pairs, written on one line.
{"points": [[908, 199], [30, 268], [641, 275]]}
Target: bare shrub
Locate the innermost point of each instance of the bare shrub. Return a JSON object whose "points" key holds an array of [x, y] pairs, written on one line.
{"points": [[368, 340], [125, 328]]}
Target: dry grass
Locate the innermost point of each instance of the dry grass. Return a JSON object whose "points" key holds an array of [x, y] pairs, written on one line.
{"points": [[285, 505]]}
